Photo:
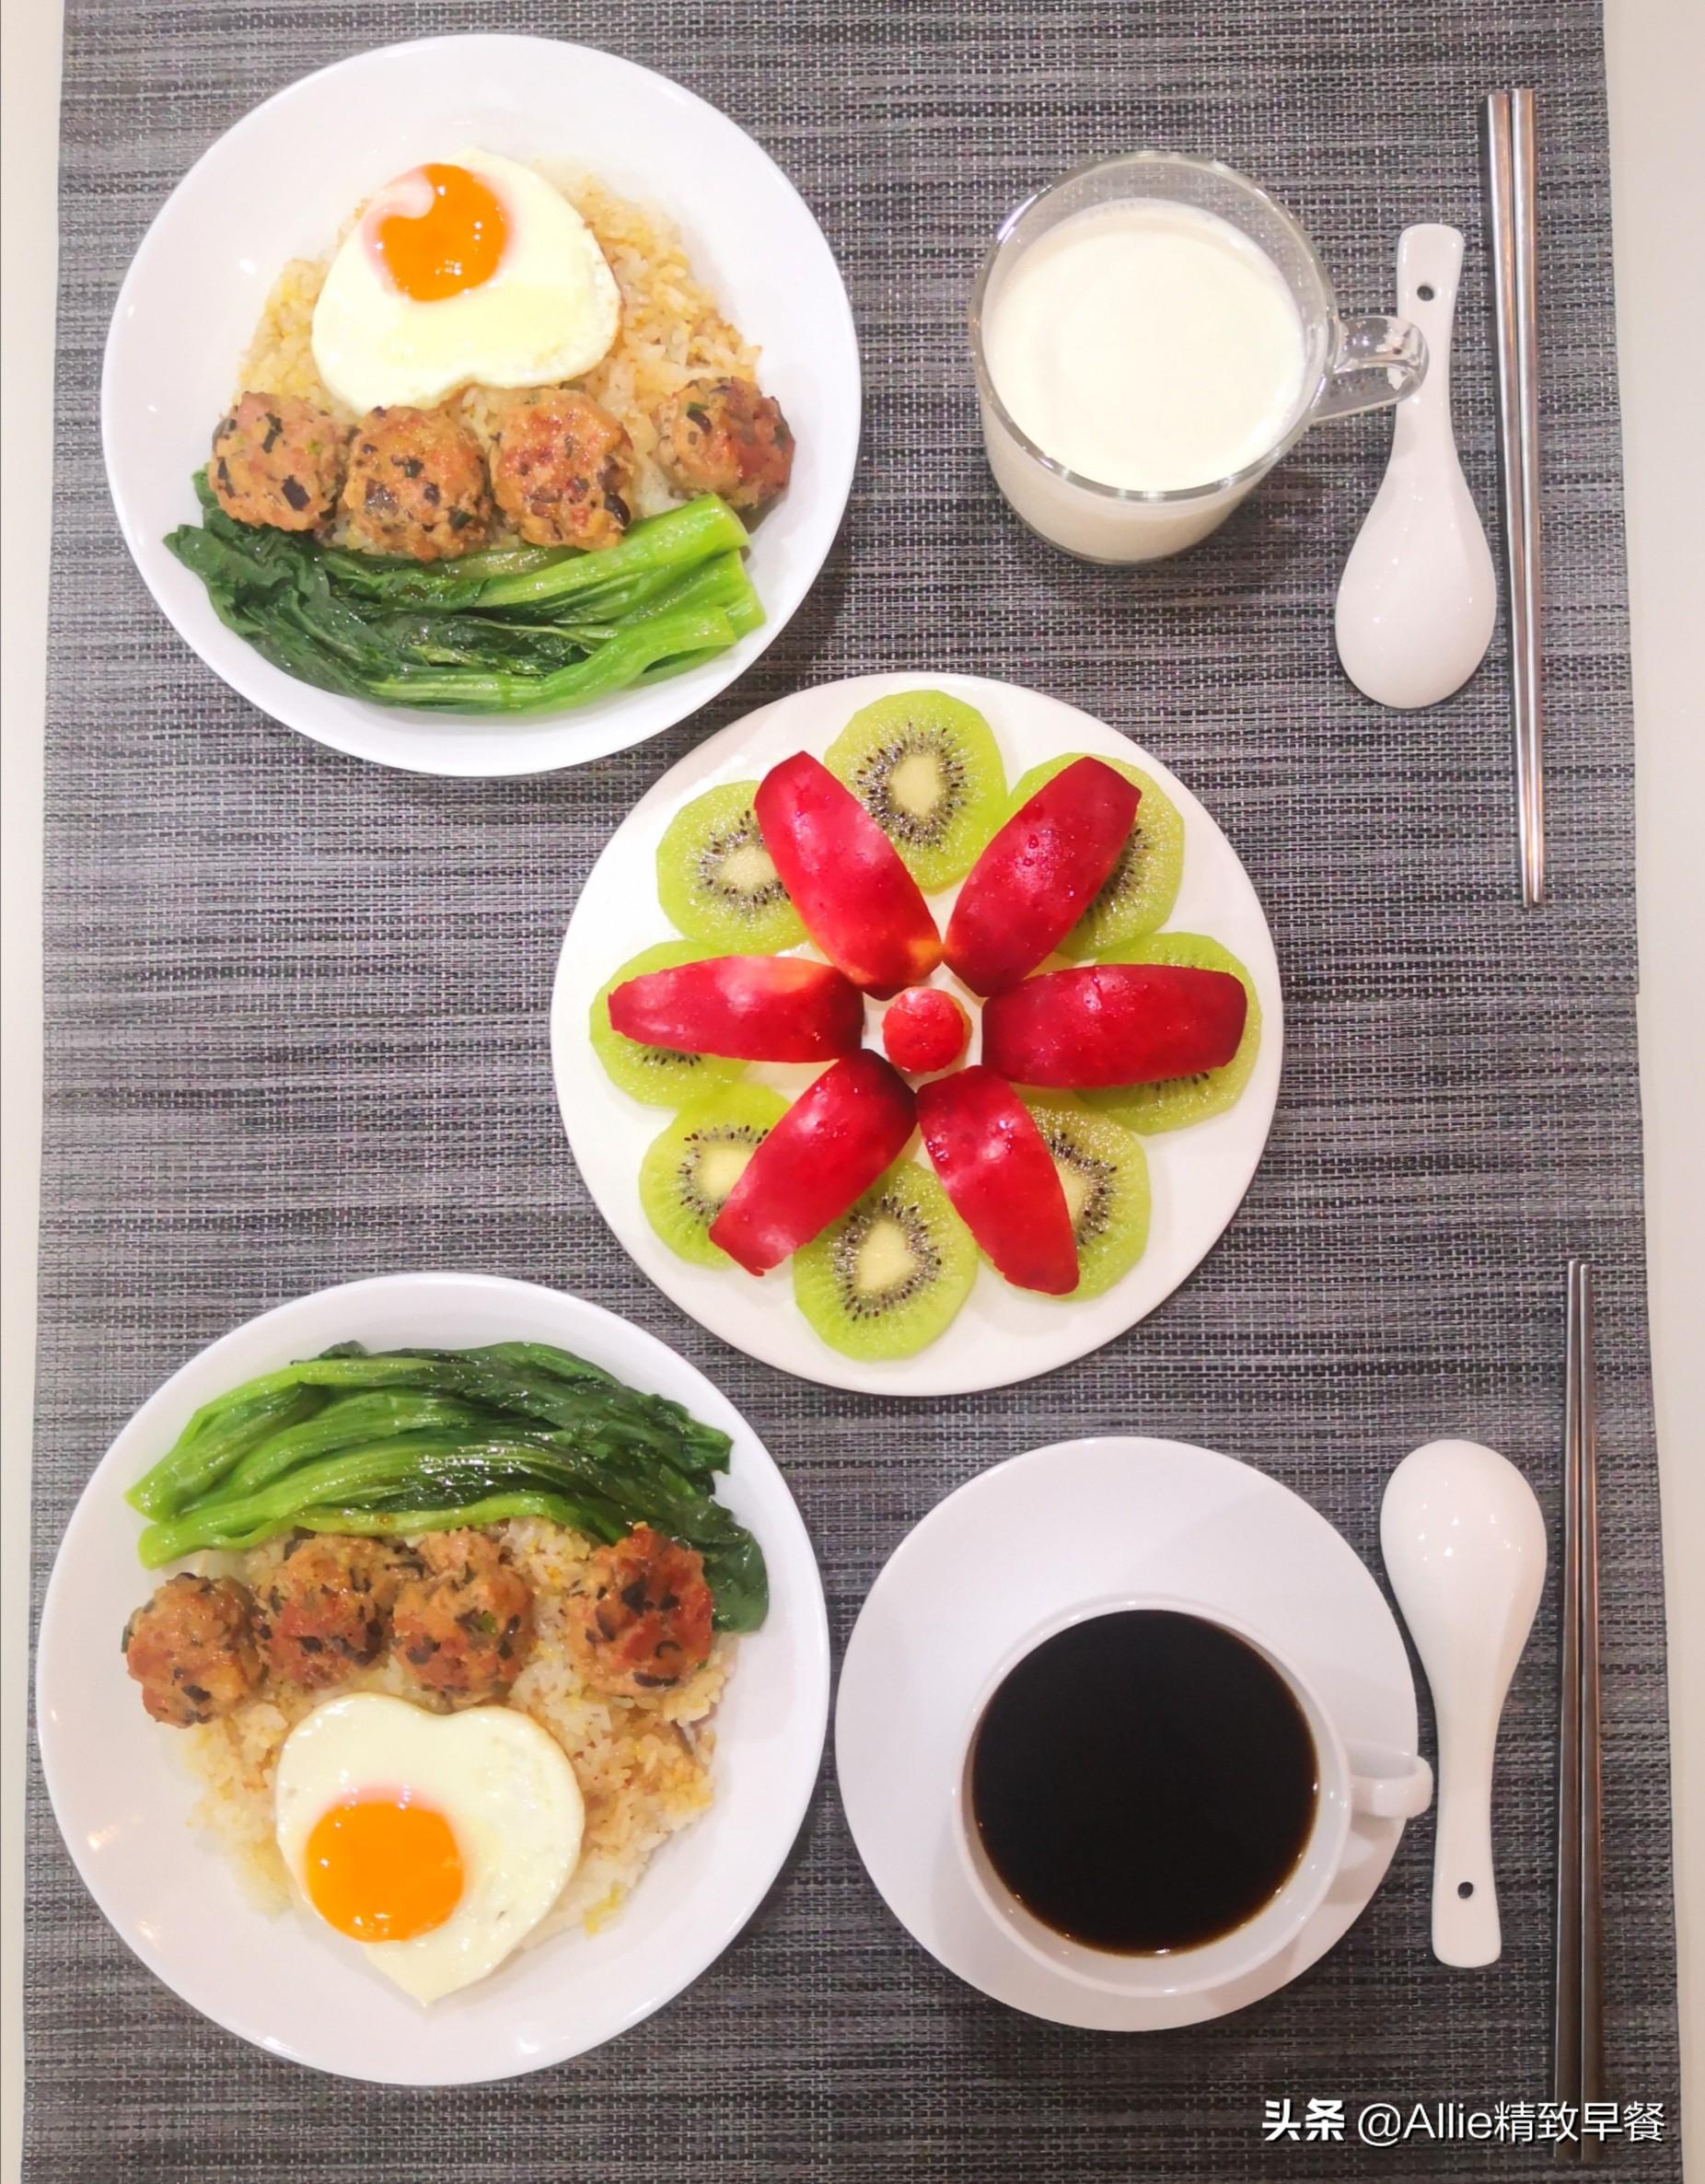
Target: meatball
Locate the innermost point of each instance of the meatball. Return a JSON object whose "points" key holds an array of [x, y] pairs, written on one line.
{"points": [[192, 1648], [278, 461], [416, 485], [464, 1626], [723, 436], [563, 469], [325, 1611], [643, 1624]]}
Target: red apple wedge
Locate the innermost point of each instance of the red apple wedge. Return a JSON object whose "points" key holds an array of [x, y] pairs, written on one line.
{"points": [[1039, 875], [859, 902], [1114, 1024], [830, 1147], [993, 1165], [755, 1008]]}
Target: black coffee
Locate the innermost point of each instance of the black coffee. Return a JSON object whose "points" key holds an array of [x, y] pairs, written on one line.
{"points": [[1144, 1781]]}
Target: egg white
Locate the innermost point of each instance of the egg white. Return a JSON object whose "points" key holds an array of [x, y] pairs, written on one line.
{"points": [[504, 1784], [547, 313]]}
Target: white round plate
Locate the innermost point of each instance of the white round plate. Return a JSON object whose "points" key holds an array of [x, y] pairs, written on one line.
{"points": [[1197, 1175], [282, 183], [124, 1803], [1027, 1541]]}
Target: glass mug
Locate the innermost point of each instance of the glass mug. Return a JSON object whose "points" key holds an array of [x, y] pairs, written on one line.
{"points": [[1350, 363]]}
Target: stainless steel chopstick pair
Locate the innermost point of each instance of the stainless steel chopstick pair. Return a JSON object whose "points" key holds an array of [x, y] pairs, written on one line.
{"points": [[1512, 224], [1578, 2046]]}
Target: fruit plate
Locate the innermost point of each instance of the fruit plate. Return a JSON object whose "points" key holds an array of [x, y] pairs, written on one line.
{"points": [[225, 234], [124, 1798], [1198, 1174]]}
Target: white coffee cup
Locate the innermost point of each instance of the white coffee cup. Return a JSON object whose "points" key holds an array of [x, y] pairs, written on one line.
{"points": [[1386, 1784]]}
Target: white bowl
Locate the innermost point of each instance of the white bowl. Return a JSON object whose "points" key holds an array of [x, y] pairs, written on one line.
{"points": [[282, 183], [124, 1803]]}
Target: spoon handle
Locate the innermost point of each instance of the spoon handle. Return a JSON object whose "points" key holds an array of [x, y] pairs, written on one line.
{"points": [[1429, 273], [1465, 1928]]}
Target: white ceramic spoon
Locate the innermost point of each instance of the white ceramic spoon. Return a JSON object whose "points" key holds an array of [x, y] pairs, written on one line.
{"points": [[1464, 1544], [1419, 594]]}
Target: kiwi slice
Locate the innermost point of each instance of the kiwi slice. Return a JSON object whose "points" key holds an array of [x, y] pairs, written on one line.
{"points": [[925, 767], [1174, 1102], [1140, 891], [691, 1167], [886, 1278], [657, 1074], [717, 882], [1106, 1175]]}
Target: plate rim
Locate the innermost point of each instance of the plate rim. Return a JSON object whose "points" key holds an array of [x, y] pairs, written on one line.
{"points": [[831, 1369], [813, 1639], [406, 721]]}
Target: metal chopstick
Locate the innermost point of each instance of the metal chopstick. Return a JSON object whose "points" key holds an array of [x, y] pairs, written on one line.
{"points": [[1566, 2018], [1577, 2044], [1523, 166], [1591, 1816], [1511, 231]]}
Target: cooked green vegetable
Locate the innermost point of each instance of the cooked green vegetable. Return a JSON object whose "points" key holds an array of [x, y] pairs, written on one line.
{"points": [[410, 1440], [518, 629]]}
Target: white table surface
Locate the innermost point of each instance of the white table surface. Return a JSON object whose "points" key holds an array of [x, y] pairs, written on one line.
{"points": [[1656, 51]]}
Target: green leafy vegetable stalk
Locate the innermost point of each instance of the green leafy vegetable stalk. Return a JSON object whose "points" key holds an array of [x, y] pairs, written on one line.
{"points": [[518, 629], [412, 1441]]}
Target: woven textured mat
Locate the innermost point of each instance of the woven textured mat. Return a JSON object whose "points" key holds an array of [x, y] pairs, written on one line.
{"points": [[297, 1034]]}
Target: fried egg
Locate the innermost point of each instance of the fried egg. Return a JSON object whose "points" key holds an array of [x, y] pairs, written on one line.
{"points": [[436, 1841], [471, 272]]}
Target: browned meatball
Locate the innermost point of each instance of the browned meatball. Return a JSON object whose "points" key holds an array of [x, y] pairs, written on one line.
{"points": [[463, 1627], [562, 468], [278, 461], [416, 485], [192, 1648], [325, 1611], [644, 1623], [723, 436]]}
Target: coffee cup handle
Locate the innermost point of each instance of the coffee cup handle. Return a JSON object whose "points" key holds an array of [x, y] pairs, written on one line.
{"points": [[1390, 1786]]}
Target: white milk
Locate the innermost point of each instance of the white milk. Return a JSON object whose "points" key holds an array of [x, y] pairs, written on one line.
{"points": [[1148, 346]]}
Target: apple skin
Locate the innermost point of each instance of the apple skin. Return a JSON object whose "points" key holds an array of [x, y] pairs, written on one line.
{"points": [[1039, 875], [842, 1131], [859, 902], [753, 1008], [995, 1166], [1114, 1024]]}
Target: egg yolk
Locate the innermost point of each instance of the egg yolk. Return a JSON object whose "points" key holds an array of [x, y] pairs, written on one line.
{"points": [[383, 1868], [455, 242]]}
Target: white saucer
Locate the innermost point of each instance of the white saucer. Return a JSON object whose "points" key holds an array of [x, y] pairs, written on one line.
{"points": [[1027, 1540], [1197, 1177]]}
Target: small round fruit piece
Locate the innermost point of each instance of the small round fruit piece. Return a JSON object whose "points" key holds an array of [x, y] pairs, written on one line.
{"points": [[924, 1029]]}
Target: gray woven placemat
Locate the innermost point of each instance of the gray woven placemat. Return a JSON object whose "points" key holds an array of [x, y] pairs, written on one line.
{"points": [[296, 1033]]}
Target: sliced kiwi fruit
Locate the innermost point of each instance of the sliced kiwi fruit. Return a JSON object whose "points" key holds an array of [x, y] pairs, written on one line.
{"points": [[1140, 891], [1106, 1175], [691, 1167], [886, 1278], [925, 767], [716, 880], [657, 1074], [1176, 1101]]}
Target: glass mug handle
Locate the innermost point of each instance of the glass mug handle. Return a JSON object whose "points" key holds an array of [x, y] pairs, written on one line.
{"points": [[1375, 362]]}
